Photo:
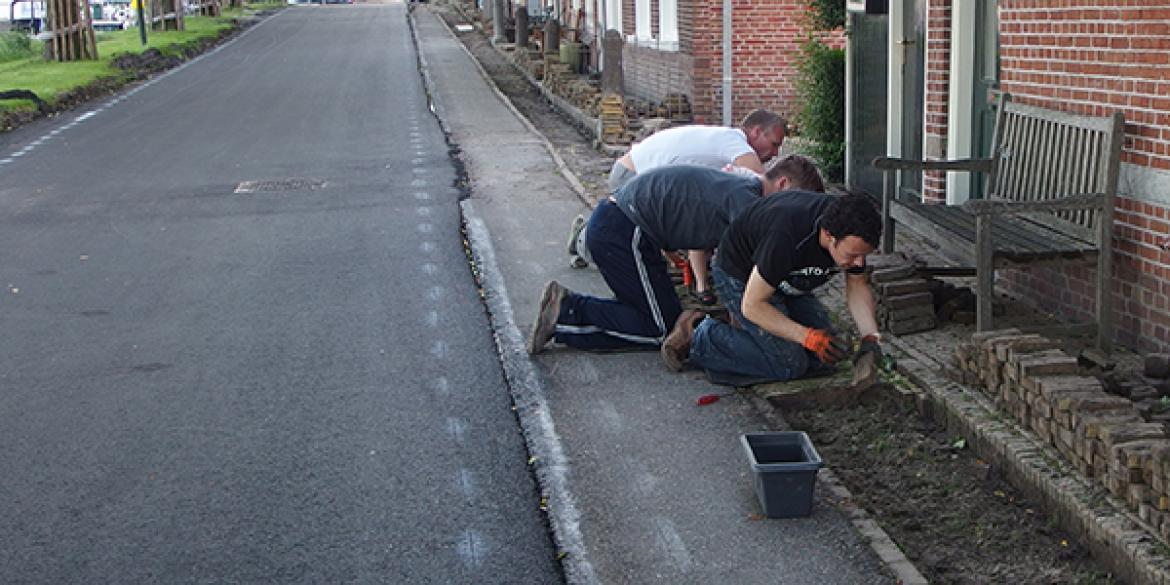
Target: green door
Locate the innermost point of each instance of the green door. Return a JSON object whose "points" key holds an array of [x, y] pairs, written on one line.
{"points": [[986, 85]]}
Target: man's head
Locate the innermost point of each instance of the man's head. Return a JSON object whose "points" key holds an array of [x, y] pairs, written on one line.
{"points": [[851, 229], [793, 172], [765, 133]]}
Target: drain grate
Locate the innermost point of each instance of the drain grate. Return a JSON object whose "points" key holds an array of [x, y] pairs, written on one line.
{"points": [[281, 185]]}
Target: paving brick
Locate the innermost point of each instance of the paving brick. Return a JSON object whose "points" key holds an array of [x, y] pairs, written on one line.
{"points": [[903, 287], [909, 300], [1047, 364], [1157, 365], [891, 274]]}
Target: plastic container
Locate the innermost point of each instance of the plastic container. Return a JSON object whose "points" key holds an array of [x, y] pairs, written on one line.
{"points": [[785, 465]]}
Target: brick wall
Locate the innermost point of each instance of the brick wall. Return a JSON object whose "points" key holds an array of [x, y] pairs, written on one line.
{"points": [[938, 78], [765, 45], [1095, 57]]}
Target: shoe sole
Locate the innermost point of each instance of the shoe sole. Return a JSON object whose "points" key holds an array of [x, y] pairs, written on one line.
{"points": [[574, 230], [553, 291]]}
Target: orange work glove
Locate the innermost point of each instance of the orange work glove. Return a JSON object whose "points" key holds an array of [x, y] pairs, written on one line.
{"points": [[829, 348]]}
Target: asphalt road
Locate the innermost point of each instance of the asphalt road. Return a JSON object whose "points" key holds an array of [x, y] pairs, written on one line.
{"points": [[239, 340]]}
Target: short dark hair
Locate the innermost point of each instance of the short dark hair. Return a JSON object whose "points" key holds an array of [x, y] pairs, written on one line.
{"points": [[853, 213], [764, 119], [801, 172]]}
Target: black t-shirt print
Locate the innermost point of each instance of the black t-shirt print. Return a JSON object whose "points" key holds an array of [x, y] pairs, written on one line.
{"points": [[778, 235]]}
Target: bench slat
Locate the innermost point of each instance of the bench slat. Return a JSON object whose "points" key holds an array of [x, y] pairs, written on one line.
{"points": [[1017, 239]]}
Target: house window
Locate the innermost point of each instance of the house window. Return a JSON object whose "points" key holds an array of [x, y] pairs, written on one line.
{"points": [[667, 25], [642, 32]]}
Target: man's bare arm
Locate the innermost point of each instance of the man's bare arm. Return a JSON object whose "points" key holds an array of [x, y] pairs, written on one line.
{"points": [[758, 309], [861, 304]]}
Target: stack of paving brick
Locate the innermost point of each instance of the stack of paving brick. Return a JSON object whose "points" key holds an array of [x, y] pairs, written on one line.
{"points": [[1103, 435], [905, 303]]}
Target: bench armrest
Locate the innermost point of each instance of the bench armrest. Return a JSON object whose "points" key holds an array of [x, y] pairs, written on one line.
{"points": [[886, 163], [1076, 202]]}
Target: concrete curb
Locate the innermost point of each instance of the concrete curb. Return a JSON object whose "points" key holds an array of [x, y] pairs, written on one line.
{"points": [[548, 460], [1112, 533]]}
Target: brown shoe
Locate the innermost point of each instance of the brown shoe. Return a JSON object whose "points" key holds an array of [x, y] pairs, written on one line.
{"points": [[546, 319], [677, 345]]}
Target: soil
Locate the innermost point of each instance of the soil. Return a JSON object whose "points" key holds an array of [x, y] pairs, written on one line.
{"points": [[953, 515]]}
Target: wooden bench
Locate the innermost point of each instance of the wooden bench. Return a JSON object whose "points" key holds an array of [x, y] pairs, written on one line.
{"points": [[1050, 183]]}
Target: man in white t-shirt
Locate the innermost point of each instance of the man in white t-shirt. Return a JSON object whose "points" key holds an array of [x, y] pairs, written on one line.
{"points": [[755, 142]]}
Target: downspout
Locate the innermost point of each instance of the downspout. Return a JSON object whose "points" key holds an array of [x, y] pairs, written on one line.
{"points": [[601, 38], [727, 64]]}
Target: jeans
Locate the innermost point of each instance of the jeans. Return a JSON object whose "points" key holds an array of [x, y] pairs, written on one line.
{"points": [[745, 355], [645, 306]]}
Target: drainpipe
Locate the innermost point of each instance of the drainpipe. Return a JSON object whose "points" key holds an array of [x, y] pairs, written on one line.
{"points": [[601, 37], [727, 121]]}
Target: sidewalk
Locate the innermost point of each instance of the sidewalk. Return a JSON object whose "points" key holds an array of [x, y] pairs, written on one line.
{"points": [[641, 484]]}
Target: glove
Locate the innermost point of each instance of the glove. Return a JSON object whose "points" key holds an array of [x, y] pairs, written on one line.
{"points": [[829, 348], [870, 344]]}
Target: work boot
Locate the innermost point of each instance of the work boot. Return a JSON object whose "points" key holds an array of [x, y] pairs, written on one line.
{"points": [[677, 345], [546, 318], [576, 258]]}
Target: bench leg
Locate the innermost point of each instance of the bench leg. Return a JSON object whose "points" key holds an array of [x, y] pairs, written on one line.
{"points": [[888, 187], [984, 273]]}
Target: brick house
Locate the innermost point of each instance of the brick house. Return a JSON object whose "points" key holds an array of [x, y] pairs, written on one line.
{"points": [[1083, 56], [676, 46]]}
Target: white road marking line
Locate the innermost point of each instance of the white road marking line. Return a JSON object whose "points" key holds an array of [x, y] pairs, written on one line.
{"points": [[425, 228], [442, 386], [430, 269], [422, 195], [466, 482], [436, 293], [423, 210], [431, 319], [671, 543], [471, 548], [439, 349], [457, 428], [426, 247], [419, 183], [609, 416]]}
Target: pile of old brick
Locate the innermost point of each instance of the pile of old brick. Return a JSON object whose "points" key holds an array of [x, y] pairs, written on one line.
{"points": [[910, 300], [1110, 426]]}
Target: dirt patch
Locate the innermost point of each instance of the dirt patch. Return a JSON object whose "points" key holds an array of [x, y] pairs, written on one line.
{"points": [[127, 68], [956, 518], [953, 515]]}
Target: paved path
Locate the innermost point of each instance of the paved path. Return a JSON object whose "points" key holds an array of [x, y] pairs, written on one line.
{"points": [[644, 485]]}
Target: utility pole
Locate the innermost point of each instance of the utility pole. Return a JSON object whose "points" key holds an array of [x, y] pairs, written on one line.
{"points": [[141, 20]]}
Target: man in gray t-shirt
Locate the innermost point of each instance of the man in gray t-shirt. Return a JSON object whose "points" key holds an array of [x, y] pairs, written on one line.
{"points": [[671, 208]]}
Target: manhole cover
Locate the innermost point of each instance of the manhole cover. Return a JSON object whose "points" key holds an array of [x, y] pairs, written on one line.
{"points": [[282, 185]]}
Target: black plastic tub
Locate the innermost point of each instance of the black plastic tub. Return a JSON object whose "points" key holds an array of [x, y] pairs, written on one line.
{"points": [[785, 465]]}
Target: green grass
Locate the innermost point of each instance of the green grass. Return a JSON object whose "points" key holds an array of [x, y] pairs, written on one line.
{"points": [[48, 79]]}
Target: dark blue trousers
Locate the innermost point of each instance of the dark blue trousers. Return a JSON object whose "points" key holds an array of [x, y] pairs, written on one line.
{"points": [[645, 305]]}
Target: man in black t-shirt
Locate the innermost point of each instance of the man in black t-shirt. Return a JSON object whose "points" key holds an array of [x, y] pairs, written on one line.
{"points": [[773, 255]]}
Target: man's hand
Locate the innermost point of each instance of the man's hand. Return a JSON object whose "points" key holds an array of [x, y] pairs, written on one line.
{"points": [[870, 344], [829, 348]]}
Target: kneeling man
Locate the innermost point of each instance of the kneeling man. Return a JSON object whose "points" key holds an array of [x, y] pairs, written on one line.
{"points": [[772, 257]]}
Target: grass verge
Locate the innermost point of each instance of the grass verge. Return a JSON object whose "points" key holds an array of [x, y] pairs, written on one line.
{"points": [[22, 65]]}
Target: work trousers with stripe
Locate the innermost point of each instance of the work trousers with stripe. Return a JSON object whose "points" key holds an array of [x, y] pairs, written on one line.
{"points": [[645, 306]]}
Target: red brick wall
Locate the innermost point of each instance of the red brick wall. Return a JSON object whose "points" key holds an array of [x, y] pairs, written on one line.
{"points": [[1092, 58], [938, 78], [765, 45]]}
